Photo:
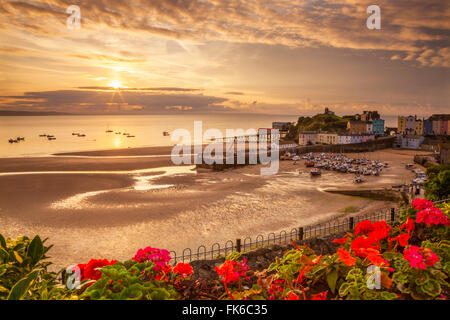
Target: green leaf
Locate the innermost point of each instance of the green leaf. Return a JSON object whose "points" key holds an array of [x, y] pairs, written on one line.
{"points": [[331, 279], [21, 287], [18, 257], [35, 250], [4, 256], [343, 290], [431, 288], [2, 242]]}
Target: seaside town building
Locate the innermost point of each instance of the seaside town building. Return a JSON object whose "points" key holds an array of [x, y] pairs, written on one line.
{"points": [[378, 126], [427, 127], [418, 127], [370, 116], [410, 141], [327, 138], [307, 138], [357, 127], [314, 137]]}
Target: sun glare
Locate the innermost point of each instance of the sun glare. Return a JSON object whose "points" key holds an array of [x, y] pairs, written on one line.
{"points": [[115, 84]]}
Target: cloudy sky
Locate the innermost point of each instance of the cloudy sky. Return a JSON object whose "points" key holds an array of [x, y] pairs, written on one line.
{"points": [[251, 56]]}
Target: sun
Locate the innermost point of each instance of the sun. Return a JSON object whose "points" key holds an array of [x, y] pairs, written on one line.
{"points": [[115, 84]]}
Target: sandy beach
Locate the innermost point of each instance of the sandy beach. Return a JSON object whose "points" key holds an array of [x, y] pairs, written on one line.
{"points": [[108, 204]]}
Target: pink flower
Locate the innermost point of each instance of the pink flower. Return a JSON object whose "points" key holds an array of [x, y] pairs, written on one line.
{"points": [[420, 204], [420, 257], [432, 216], [160, 257]]}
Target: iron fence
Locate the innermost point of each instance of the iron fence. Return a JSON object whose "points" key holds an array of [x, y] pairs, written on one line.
{"points": [[281, 238], [340, 224]]}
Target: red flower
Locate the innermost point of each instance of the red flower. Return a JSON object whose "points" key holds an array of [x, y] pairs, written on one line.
{"points": [[402, 239], [183, 269], [92, 269], [360, 245], [375, 257], [320, 296], [226, 272], [340, 241], [346, 257], [409, 225], [364, 227], [292, 296]]}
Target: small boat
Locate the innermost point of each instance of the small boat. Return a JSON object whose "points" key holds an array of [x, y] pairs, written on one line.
{"points": [[109, 131], [166, 133], [12, 141], [358, 179], [81, 135], [75, 133], [42, 135], [20, 139], [309, 164], [130, 136], [316, 172]]}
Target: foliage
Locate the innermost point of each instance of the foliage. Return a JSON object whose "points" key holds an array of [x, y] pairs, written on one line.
{"points": [[24, 274], [132, 281], [438, 185], [318, 122]]}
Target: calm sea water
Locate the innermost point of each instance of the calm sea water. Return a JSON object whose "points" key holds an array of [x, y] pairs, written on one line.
{"points": [[147, 129]]}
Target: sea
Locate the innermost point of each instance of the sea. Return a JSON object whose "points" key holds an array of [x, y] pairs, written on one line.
{"points": [[146, 129]]}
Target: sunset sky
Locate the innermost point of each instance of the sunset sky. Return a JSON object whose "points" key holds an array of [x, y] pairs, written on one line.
{"points": [[202, 56]]}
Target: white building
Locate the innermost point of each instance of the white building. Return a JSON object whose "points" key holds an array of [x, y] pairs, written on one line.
{"points": [[307, 138], [410, 141], [328, 138], [344, 138]]}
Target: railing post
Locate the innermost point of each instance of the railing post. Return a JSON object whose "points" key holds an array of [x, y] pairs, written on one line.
{"points": [[392, 214], [300, 233], [238, 245], [351, 223]]}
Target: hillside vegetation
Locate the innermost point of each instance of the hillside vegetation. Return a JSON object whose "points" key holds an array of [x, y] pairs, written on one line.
{"points": [[322, 122]]}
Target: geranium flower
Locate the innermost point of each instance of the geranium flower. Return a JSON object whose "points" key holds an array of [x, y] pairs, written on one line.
{"points": [[364, 227], [183, 269], [159, 257], [402, 239], [227, 272], [360, 245], [420, 204], [92, 269], [292, 296], [420, 257], [375, 257], [320, 296], [409, 225], [431, 216], [340, 241], [346, 257]]}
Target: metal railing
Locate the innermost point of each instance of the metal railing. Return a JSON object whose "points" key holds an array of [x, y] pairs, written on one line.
{"points": [[340, 224], [281, 238]]}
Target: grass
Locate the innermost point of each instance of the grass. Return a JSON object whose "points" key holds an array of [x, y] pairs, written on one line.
{"points": [[349, 209]]}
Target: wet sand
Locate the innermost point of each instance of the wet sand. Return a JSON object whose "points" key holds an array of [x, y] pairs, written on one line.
{"points": [[113, 214]]}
